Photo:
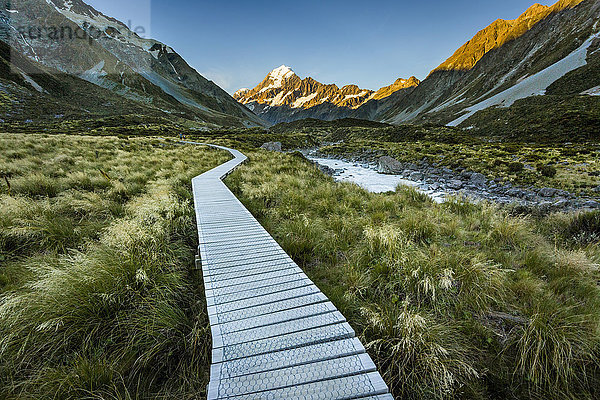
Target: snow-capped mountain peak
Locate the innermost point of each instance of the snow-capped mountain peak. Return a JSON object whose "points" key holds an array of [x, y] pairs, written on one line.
{"points": [[241, 91], [278, 75], [283, 95]]}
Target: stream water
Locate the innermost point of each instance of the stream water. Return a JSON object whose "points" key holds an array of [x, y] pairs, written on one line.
{"points": [[367, 177]]}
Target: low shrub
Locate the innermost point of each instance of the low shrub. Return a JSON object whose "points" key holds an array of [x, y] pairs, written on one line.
{"points": [[547, 170]]}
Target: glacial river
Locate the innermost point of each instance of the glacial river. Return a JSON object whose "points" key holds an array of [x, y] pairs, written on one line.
{"points": [[367, 177]]}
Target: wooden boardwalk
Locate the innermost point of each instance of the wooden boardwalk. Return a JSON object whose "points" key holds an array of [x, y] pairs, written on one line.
{"points": [[274, 334]]}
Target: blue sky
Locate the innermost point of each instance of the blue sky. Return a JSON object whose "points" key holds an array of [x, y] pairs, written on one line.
{"points": [[370, 43]]}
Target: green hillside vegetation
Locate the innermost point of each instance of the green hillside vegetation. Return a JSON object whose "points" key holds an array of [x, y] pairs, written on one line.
{"points": [[311, 124], [550, 119]]}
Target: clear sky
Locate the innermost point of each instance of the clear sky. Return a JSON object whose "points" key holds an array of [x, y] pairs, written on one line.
{"points": [[370, 43]]}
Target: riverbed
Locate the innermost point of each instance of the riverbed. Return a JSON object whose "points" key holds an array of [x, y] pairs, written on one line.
{"points": [[367, 177]]}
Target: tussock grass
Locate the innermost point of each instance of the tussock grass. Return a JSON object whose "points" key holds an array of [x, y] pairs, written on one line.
{"points": [[453, 300], [97, 299], [422, 357]]}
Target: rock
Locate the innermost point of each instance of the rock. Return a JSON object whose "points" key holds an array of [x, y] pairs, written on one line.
{"points": [[455, 184], [530, 196], [591, 204], [411, 166], [326, 170], [564, 203], [272, 146], [547, 192], [516, 193], [416, 176], [389, 165], [466, 175], [597, 189], [478, 179]]}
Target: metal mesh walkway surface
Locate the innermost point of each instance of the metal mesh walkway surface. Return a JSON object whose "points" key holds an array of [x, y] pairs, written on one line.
{"points": [[274, 334]]}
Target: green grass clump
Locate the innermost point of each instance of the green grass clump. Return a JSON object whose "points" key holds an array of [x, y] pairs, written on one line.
{"points": [[453, 300], [97, 297], [547, 170]]}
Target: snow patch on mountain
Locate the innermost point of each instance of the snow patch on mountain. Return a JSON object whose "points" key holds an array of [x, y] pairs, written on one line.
{"points": [[533, 85], [279, 74], [352, 96], [301, 100], [280, 98], [595, 91], [32, 83]]}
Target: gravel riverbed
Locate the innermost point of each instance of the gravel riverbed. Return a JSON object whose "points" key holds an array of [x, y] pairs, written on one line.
{"points": [[441, 182]]}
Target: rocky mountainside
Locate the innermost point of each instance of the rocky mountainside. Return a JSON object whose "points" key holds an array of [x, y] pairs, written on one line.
{"points": [[548, 50], [283, 97], [71, 38], [30, 92], [506, 62]]}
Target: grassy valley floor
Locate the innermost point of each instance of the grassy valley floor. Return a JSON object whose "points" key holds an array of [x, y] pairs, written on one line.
{"points": [[453, 300]]}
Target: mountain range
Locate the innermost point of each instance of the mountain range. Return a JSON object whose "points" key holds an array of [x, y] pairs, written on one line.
{"points": [[62, 58], [283, 97], [48, 44], [539, 52]]}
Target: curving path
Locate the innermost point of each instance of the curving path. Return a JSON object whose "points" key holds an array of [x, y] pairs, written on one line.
{"points": [[274, 334]]}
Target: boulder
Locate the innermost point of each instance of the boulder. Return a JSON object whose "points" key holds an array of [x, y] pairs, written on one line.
{"points": [[466, 175], [591, 204], [516, 193], [389, 165], [416, 176], [455, 184], [272, 146], [547, 192], [326, 170], [478, 179], [564, 203]]}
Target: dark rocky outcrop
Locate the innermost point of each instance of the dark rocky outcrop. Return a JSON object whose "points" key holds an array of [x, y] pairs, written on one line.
{"points": [[272, 146]]}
